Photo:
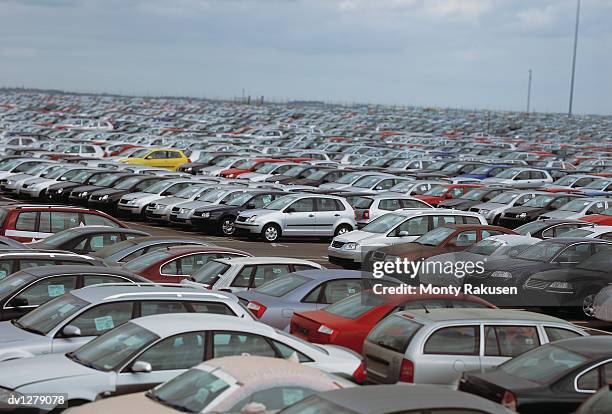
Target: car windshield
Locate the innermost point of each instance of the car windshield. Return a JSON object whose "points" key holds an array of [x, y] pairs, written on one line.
{"points": [[438, 165], [402, 186], [210, 272], [139, 153], [146, 260], [507, 174], [157, 188], [40, 168], [367, 182], [485, 247], [452, 168], [576, 206], [475, 195], [239, 199], [384, 223], [246, 165], [436, 191], [8, 164], [56, 173], [190, 392], [544, 364], [282, 285], [504, 198], [115, 248], [360, 202], [56, 239], [81, 177], [541, 252], [189, 192], [227, 162], [565, 181], [266, 168], [349, 178], [598, 184], [531, 228], [399, 163], [316, 174], [394, 332], [295, 171], [110, 350], [9, 284], [107, 181], [481, 170], [607, 212], [281, 202], [435, 236], [47, 316], [128, 183], [316, 405], [539, 201], [355, 306], [228, 198], [211, 196]]}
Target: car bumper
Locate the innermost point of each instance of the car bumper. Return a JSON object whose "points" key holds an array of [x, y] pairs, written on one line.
{"points": [[245, 227]]}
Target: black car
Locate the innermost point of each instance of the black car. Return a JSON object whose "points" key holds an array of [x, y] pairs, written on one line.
{"points": [[549, 228], [87, 239], [472, 198], [107, 199], [12, 261], [60, 192], [219, 218], [553, 378], [321, 176], [297, 172], [574, 288], [532, 209], [206, 160], [547, 255], [79, 195], [27, 289]]}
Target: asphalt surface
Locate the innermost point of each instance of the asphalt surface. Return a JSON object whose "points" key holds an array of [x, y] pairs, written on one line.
{"points": [[314, 249]]}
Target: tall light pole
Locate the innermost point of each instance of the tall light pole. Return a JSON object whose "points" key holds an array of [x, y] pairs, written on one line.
{"points": [[571, 98], [529, 92]]}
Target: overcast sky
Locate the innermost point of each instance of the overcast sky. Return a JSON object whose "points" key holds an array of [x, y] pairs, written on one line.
{"points": [[457, 53]]}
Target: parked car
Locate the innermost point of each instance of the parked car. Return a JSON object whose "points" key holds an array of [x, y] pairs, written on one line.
{"points": [[493, 209], [605, 218], [520, 177], [298, 215], [71, 320], [439, 193], [557, 376], [80, 194], [596, 232], [159, 210], [86, 239], [12, 261], [60, 192], [169, 158], [576, 209], [134, 204], [550, 228], [367, 208], [245, 273], [436, 346], [534, 208], [106, 199], [472, 198]]}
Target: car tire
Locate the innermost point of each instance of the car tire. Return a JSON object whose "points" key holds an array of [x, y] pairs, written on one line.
{"points": [[588, 309], [271, 232], [342, 229], [226, 226]]}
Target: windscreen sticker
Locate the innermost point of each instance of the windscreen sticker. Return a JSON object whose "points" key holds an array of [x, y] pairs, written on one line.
{"points": [[66, 308], [292, 395], [55, 290], [202, 395], [216, 385], [2, 274], [104, 323]]}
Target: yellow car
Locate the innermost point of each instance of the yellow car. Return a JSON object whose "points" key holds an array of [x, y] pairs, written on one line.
{"points": [[161, 157]]}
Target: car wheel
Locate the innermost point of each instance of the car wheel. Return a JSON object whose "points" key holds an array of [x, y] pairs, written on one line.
{"points": [[342, 229], [227, 227], [588, 305], [271, 232]]}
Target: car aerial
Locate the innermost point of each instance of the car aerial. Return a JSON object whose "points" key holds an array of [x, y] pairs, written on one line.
{"points": [[436, 346], [516, 216], [129, 249], [367, 208], [442, 192], [30, 287], [86, 239], [494, 208], [275, 302], [12, 261], [548, 255], [148, 351], [106, 199], [219, 218], [605, 218], [549, 228], [347, 322], [29, 222], [245, 273], [173, 264], [558, 376], [520, 177], [389, 399], [401, 226], [472, 198], [232, 385], [169, 158], [298, 215], [71, 320], [579, 208], [134, 204]]}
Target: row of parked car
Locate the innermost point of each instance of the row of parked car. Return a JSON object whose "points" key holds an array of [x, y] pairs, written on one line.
{"points": [[109, 318]]}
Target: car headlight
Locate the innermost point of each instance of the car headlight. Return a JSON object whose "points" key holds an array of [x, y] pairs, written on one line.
{"points": [[252, 219], [185, 211], [391, 258], [561, 285], [206, 215], [83, 194], [351, 246], [105, 197], [132, 201], [159, 207], [190, 169], [501, 274], [484, 212], [10, 182], [61, 190], [522, 215]]}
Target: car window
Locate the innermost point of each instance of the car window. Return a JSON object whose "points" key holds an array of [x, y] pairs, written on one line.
{"points": [[557, 334], [303, 205], [177, 352], [589, 381], [470, 220], [269, 272], [299, 267], [574, 253], [243, 278], [101, 241], [510, 341], [286, 352], [416, 226], [96, 220], [455, 340], [274, 398], [489, 233], [26, 221], [390, 204], [238, 343], [89, 280], [102, 318], [456, 192], [6, 268], [522, 176], [463, 239], [441, 220], [261, 200], [150, 307], [212, 307], [327, 204], [557, 203], [26, 263], [62, 220], [44, 290], [596, 208], [336, 290]]}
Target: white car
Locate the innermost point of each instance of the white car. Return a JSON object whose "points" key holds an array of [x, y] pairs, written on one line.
{"points": [[244, 273]]}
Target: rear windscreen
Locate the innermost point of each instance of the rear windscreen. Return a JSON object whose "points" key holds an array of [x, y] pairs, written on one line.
{"points": [[394, 333], [354, 306]]}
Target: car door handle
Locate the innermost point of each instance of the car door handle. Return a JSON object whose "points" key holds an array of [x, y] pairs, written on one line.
{"points": [[311, 215], [336, 215]]}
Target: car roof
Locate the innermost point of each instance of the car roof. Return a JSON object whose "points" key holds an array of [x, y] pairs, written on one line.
{"points": [[171, 323], [477, 314], [263, 260], [41, 271], [594, 346], [103, 229], [111, 292], [409, 212], [382, 399], [328, 274]]}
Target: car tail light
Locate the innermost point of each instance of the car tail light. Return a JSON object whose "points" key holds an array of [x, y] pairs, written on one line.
{"points": [[257, 308], [366, 215], [406, 371], [360, 374], [509, 401]]}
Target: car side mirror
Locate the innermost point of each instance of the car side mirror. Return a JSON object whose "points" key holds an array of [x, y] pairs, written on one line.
{"points": [[378, 188], [141, 367], [403, 233], [71, 331], [290, 210], [250, 206], [228, 290]]}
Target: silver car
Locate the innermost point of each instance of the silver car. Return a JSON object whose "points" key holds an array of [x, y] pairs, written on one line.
{"points": [[299, 215], [12, 185], [520, 177], [151, 350], [134, 204], [578, 208], [348, 180], [376, 183], [437, 345], [37, 186], [368, 208], [183, 212], [493, 209], [69, 321], [160, 210]]}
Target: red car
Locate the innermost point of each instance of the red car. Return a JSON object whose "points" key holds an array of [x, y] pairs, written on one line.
{"points": [[247, 166], [348, 322], [603, 219], [446, 192], [173, 264]]}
